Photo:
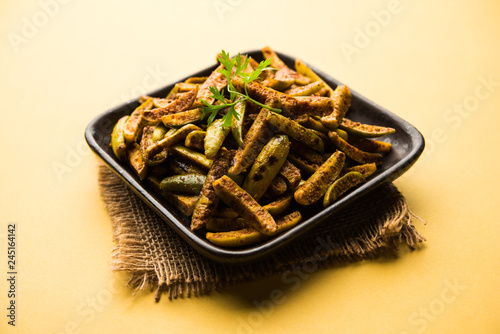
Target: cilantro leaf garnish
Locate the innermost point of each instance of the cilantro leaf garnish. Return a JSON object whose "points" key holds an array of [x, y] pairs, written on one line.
{"points": [[232, 67]]}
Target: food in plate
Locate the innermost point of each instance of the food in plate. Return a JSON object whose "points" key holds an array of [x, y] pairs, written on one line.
{"points": [[242, 151]]}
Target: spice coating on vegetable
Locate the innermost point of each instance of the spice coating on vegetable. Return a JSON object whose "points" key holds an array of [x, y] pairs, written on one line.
{"points": [[208, 200], [315, 187], [238, 199], [241, 149]]}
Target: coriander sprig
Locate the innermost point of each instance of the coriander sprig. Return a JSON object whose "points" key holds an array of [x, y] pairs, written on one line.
{"points": [[239, 63]]}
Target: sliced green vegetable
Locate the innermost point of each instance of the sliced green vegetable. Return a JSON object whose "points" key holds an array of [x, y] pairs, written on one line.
{"points": [[370, 145], [291, 174], [266, 166], [187, 183], [248, 208], [137, 161], [195, 140], [214, 138], [304, 166], [353, 152], [365, 130], [178, 166], [136, 122], [174, 137], [342, 99], [237, 122], [118, 140], [182, 118], [342, 134], [306, 90], [280, 205], [278, 186], [341, 185], [183, 102], [185, 203], [193, 156], [303, 69], [296, 131], [312, 190], [366, 169], [250, 236], [256, 138], [208, 201]]}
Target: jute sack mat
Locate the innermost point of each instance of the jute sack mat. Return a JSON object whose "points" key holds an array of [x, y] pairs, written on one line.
{"points": [[158, 259]]}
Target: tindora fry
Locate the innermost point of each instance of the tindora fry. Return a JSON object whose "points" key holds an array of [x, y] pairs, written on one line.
{"points": [[370, 145], [239, 151], [178, 166], [296, 131], [307, 153], [266, 166], [342, 101], [195, 140], [366, 169], [217, 80], [295, 105], [341, 185], [182, 118], [192, 156], [208, 200], [214, 138], [196, 80], [291, 174], [255, 139], [118, 140], [342, 134], [364, 130], [186, 183], [237, 121], [185, 203], [278, 186], [276, 62], [280, 205], [305, 167], [175, 137], [314, 124], [303, 69], [315, 187], [248, 208], [306, 90], [147, 142], [250, 236], [133, 127], [353, 152], [182, 103], [137, 161]]}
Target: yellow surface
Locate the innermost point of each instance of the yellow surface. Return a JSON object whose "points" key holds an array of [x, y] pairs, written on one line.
{"points": [[421, 61]]}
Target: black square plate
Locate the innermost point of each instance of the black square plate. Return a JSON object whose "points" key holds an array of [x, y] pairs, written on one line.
{"points": [[407, 145]]}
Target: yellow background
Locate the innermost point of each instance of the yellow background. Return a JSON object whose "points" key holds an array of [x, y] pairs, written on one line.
{"points": [[420, 61]]}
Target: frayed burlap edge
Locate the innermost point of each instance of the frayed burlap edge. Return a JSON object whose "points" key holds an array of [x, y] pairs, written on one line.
{"points": [[140, 256]]}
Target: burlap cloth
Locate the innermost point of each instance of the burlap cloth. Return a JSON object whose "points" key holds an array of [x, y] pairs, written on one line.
{"points": [[157, 258]]}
